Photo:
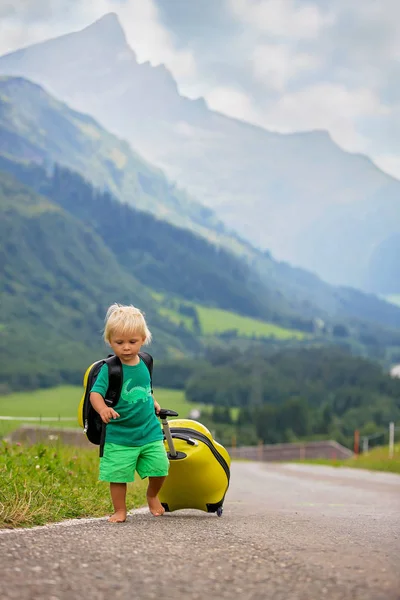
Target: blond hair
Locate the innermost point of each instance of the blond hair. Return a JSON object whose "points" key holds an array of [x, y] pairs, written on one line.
{"points": [[125, 320]]}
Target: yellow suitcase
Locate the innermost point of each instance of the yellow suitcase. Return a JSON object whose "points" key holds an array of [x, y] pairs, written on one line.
{"points": [[199, 467]]}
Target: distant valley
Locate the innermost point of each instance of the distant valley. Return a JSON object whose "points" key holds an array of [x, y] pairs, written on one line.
{"points": [[72, 243]]}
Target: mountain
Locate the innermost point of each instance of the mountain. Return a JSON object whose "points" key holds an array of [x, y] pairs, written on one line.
{"points": [[178, 264], [384, 267], [57, 280], [37, 129], [69, 251], [305, 199], [160, 256]]}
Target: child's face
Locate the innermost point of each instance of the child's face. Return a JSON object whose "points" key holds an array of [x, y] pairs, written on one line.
{"points": [[126, 347]]}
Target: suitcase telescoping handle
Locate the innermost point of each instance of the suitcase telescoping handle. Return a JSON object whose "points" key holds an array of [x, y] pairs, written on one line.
{"points": [[163, 415]]}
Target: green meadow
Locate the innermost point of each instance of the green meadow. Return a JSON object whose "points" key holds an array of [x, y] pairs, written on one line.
{"points": [[215, 321], [62, 404]]}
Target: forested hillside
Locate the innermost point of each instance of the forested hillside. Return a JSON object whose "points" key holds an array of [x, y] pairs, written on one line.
{"points": [[67, 255], [160, 255], [57, 279], [36, 128], [287, 395], [144, 255]]}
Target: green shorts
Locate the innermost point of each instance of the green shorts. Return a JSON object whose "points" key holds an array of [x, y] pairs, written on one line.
{"points": [[119, 463]]}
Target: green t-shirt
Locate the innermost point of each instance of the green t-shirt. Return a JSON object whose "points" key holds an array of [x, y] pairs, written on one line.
{"points": [[137, 424]]}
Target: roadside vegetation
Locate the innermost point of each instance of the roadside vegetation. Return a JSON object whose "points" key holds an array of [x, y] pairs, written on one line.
{"points": [[375, 460], [43, 484]]}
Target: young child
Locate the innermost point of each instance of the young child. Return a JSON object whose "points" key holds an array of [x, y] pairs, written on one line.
{"points": [[134, 439]]}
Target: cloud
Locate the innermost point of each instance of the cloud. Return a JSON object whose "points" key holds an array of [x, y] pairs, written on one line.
{"points": [[325, 65], [151, 41], [288, 65], [282, 18], [28, 11], [232, 102], [23, 22], [327, 106], [276, 64], [389, 163], [322, 106]]}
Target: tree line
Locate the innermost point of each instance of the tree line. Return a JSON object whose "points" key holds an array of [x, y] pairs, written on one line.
{"points": [[283, 396]]}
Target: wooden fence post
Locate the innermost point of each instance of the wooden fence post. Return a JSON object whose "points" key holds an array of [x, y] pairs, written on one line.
{"points": [[391, 439], [356, 442], [260, 450]]}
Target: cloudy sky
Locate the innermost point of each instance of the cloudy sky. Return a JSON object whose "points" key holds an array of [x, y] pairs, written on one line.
{"points": [[288, 65]]}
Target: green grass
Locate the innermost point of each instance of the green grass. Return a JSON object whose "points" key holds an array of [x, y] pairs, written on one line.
{"points": [[62, 402], [176, 317], [43, 484], [215, 320], [375, 460], [176, 400], [53, 402]]}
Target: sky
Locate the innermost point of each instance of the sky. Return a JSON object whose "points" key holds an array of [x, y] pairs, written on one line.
{"points": [[287, 65]]}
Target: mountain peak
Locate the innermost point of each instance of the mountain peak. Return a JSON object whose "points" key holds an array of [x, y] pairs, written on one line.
{"points": [[109, 21], [108, 26]]}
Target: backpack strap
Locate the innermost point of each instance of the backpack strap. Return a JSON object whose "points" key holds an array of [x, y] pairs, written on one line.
{"points": [[148, 361], [113, 391], [114, 380], [115, 376]]}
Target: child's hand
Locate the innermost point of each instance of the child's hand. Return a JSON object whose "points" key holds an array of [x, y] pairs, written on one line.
{"points": [[107, 414], [157, 406]]}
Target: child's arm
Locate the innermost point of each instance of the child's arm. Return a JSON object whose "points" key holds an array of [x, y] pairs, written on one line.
{"points": [[106, 412], [156, 405]]}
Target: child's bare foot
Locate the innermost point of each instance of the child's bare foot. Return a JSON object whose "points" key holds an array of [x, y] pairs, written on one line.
{"points": [[118, 517], [155, 506]]}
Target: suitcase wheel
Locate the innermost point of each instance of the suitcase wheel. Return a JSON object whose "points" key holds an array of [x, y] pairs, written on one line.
{"points": [[220, 510]]}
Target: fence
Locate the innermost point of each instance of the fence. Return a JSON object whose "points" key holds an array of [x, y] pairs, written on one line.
{"points": [[325, 449], [367, 439], [284, 452], [9, 424], [28, 434]]}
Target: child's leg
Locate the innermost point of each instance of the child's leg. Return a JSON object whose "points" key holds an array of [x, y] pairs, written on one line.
{"points": [[118, 497], [154, 464], [155, 506], [117, 466]]}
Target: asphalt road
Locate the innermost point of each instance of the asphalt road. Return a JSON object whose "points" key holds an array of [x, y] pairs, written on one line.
{"points": [[288, 533]]}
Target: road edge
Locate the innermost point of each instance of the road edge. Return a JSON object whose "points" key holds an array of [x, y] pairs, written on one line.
{"points": [[68, 522]]}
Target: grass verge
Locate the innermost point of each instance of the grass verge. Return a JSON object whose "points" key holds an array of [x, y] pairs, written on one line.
{"points": [[376, 460], [44, 484]]}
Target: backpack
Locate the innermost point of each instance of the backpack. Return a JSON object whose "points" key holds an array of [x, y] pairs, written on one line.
{"points": [[88, 418]]}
